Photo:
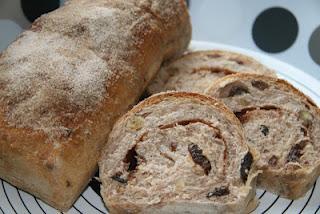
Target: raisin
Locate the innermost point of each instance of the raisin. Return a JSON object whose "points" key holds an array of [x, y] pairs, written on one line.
{"points": [[273, 161], [199, 158], [117, 177], [259, 85], [246, 166], [173, 146], [238, 90], [219, 191], [131, 159], [241, 115], [304, 131], [264, 129], [296, 152]]}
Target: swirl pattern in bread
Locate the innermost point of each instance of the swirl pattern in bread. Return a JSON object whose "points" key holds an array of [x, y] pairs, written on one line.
{"points": [[178, 152]]}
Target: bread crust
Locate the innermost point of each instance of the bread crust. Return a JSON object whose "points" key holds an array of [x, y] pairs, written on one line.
{"points": [[120, 206], [285, 85], [288, 183], [57, 169]]}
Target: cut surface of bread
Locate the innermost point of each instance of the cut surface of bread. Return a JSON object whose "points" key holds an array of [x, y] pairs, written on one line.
{"points": [[178, 152], [282, 124], [195, 71]]}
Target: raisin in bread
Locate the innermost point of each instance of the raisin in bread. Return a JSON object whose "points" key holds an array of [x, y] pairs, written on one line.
{"points": [[195, 71], [178, 152], [280, 122]]}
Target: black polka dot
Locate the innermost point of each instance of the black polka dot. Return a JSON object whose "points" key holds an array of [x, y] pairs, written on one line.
{"points": [[32, 9], [314, 45], [275, 30], [188, 2]]}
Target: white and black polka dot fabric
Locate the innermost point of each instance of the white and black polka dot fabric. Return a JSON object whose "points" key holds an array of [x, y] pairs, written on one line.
{"points": [[288, 30], [16, 15]]}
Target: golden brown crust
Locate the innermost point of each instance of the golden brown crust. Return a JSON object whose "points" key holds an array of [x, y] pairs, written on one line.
{"points": [[57, 170]]}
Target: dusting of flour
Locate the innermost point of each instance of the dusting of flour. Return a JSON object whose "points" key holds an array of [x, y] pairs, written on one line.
{"points": [[63, 66]]}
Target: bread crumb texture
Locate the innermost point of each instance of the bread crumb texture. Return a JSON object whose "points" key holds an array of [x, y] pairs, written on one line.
{"points": [[177, 149]]}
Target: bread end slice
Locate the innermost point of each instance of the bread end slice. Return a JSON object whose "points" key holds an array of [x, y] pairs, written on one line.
{"points": [[282, 123], [194, 71]]}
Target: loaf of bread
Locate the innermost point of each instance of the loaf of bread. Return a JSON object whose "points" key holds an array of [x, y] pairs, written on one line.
{"points": [[64, 82], [178, 152], [195, 71], [281, 123]]}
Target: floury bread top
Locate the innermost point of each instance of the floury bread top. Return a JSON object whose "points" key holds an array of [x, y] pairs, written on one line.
{"points": [[62, 67], [65, 81]]}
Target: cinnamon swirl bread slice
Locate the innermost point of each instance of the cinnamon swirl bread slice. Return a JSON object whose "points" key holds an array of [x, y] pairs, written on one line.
{"points": [[280, 122], [195, 71], [176, 153]]}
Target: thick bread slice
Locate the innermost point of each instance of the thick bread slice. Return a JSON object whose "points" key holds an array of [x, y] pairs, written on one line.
{"points": [[195, 71], [280, 122], [178, 152], [64, 82]]}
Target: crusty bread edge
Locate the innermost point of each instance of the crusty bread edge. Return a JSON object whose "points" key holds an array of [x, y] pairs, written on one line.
{"points": [[191, 53], [289, 185], [285, 85]]}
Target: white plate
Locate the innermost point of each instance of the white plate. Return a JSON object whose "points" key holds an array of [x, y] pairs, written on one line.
{"points": [[13, 200]]}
